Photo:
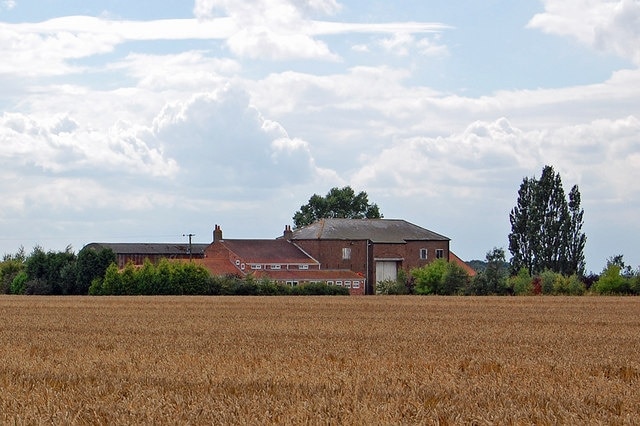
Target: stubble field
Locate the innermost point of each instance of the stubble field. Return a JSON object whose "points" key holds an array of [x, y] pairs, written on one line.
{"points": [[319, 360]]}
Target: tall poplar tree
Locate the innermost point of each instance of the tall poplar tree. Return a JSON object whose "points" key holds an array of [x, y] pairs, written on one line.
{"points": [[546, 230]]}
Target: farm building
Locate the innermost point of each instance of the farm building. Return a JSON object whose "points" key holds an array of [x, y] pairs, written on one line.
{"points": [[138, 252], [355, 253], [375, 248]]}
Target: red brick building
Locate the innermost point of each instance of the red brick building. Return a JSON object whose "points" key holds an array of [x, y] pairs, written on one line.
{"points": [[279, 260], [375, 248]]}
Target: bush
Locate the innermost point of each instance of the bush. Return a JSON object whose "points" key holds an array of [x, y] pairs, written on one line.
{"points": [[547, 281], [571, 286], [319, 289], [19, 283], [611, 282], [387, 287], [440, 277], [522, 284]]}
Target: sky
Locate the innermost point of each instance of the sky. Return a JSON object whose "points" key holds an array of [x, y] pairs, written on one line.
{"points": [[144, 121]]}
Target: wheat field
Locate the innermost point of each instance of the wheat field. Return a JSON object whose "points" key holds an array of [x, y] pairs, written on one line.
{"points": [[319, 360]]}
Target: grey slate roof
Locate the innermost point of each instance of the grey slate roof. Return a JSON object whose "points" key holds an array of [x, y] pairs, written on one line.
{"points": [[164, 249], [375, 230]]}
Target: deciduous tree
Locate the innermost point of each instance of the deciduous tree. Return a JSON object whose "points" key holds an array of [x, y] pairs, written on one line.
{"points": [[338, 203]]}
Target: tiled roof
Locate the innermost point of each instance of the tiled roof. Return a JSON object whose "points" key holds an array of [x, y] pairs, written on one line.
{"points": [[468, 269], [375, 230], [163, 249], [268, 251], [218, 266]]}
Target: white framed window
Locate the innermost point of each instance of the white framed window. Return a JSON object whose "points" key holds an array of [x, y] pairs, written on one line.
{"points": [[329, 282], [347, 284], [356, 284], [423, 253], [339, 283], [346, 253], [439, 253], [254, 266], [303, 266], [276, 267]]}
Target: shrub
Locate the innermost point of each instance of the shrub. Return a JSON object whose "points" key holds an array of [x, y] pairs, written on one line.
{"points": [[387, 287], [440, 277], [547, 280], [19, 283], [521, 283], [571, 286], [611, 282]]}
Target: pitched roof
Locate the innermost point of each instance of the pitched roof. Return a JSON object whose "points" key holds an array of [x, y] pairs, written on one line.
{"points": [[468, 269], [375, 230], [268, 251], [164, 249]]}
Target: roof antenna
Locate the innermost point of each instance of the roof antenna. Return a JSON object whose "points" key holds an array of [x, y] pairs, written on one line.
{"points": [[189, 249]]}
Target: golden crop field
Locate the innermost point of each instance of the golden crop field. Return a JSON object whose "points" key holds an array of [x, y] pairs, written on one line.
{"points": [[319, 360]]}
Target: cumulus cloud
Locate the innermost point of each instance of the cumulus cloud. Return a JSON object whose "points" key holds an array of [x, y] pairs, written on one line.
{"points": [[486, 155], [220, 140], [61, 146], [611, 26]]}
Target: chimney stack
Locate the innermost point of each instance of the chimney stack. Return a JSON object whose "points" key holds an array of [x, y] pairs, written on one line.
{"points": [[288, 233], [217, 234]]}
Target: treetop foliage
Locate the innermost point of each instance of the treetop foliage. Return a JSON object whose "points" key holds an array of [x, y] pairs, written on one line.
{"points": [[338, 203]]}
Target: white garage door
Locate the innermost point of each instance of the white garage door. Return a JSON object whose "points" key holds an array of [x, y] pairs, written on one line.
{"points": [[386, 271]]}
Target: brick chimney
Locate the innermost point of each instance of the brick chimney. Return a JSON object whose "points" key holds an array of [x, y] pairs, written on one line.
{"points": [[217, 234], [288, 233]]}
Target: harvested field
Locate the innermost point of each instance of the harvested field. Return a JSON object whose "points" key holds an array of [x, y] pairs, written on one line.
{"points": [[319, 360]]}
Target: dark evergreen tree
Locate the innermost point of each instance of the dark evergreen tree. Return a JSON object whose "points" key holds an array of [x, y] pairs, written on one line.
{"points": [[546, 230]]}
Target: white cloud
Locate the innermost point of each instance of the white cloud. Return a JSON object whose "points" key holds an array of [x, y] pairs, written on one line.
{"points": [[602, 154], [219, 140], [8, 4], [609, 25], [61, 146]]}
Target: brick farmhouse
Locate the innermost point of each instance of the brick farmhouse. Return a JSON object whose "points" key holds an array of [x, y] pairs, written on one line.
{"points": [[355, 253]]}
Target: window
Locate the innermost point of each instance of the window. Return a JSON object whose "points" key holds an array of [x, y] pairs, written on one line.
{"points": [[303, 266], [339, 283], [276, 266], [347, 284], [346, 253], [439, 253], [292, 283], [423, 253], [256, 266], [356, 284], [329, 282]]}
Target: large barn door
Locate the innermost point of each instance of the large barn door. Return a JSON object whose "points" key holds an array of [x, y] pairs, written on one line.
{"points": [[386, 270]]}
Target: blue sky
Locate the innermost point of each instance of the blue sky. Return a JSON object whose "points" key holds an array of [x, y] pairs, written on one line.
{"points": [[143, 121]]}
